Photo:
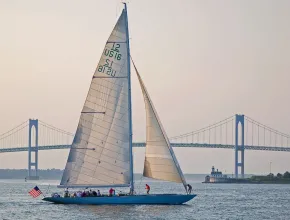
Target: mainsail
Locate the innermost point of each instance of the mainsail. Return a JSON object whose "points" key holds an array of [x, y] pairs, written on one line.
{"points": [[160, 161], [100, 154]]}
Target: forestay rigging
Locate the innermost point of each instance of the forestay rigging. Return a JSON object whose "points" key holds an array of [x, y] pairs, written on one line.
{"points": [[100, 153], [160, 161]]}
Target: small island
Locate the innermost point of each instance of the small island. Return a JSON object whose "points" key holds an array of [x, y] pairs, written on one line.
{"points": [[217, 176], [272, 179]]}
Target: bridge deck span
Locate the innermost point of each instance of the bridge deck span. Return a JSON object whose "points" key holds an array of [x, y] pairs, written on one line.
{"points": [[142, 144]]}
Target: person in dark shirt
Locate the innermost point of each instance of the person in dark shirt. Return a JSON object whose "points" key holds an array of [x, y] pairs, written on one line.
{"points": [[189, 188]]}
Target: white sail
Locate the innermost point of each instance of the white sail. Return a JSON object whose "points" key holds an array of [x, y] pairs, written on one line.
{"points": [[160, 161], [100, 153]]}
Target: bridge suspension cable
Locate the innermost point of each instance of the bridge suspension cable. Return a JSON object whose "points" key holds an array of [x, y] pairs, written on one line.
{"points": [[218, 133], [51, 135], [222, 133], [54, 128], [48, 135], [14, 136], [258, 134], [13, 129]]}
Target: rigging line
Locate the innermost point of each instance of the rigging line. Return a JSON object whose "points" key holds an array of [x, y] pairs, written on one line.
{"points": [[140, 181], [13, 128]]}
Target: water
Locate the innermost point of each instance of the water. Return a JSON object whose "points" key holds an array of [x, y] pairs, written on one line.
{"points": [[218, 201]]}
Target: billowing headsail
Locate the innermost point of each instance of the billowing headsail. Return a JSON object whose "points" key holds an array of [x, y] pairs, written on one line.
{"points": [[100, 153], [160, 161]]}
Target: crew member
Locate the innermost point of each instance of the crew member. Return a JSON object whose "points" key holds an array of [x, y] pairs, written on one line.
{"points": [[111, 192], [189, 188], [147, 187], [66, 193]]}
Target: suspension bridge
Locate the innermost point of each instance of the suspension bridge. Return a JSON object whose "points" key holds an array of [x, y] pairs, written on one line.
{"points": [[238, 132]]}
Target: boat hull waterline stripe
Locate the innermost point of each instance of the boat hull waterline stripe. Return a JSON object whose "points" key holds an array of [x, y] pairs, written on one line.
{"points": [[158, 199]]}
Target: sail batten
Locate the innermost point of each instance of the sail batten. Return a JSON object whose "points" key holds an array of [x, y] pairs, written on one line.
{"points": [[100, 150], [160, 161]]}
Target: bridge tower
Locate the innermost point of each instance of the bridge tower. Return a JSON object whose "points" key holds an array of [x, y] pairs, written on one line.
{"points": [[239, 148], [33, 174]]}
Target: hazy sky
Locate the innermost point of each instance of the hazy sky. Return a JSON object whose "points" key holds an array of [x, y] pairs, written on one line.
{"points": [[201, 61]]}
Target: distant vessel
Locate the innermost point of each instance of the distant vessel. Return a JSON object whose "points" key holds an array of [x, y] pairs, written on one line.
{"points": [[101, 153]]}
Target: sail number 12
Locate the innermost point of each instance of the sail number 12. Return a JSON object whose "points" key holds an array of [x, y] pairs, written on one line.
{"points": [[114, 53], [107, 68]]}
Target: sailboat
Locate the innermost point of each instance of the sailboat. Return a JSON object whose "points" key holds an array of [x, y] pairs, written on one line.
{"points": [[101, 153]]}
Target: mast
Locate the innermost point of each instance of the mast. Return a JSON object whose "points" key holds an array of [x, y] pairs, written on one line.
{"points": [[129, 104]]}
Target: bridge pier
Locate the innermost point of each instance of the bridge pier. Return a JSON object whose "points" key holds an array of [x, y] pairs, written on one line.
{"points": [[33, 174], [239, 148]]}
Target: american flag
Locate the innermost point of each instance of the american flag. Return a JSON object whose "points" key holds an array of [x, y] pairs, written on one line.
{"points": [[35, 192]]}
